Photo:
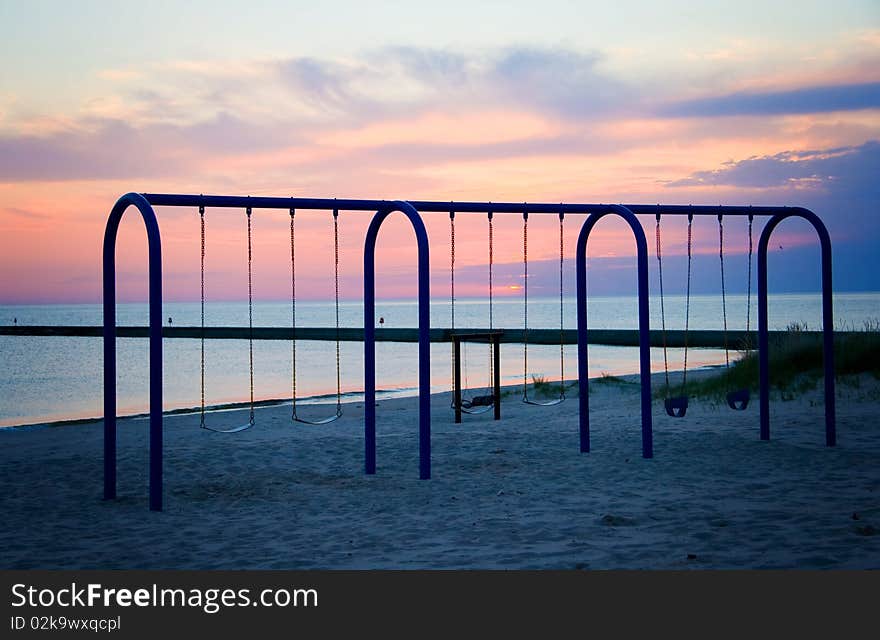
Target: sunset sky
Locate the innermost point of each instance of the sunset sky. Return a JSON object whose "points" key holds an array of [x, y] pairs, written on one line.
{"points": [[674, 102]]}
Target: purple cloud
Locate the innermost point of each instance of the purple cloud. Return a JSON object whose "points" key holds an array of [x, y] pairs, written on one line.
{"points": [[846, 97], [430, 66], [562, 81], [851, 167], [112, 149]]}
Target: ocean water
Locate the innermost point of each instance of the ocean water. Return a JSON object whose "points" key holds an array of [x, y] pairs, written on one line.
{"points": [[57, 378]]}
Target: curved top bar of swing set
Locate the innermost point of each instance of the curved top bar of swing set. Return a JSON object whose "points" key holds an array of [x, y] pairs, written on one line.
{"points": [[432, 206]]}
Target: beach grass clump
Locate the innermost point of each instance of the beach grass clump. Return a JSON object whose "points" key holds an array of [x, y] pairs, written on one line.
{"points": [[544, 387], [796, 363], [607, 378]]}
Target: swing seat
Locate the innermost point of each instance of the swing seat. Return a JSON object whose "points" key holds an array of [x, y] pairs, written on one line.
{"points": [[476, 406], [676, 407], [738, 400], [548, 403], [331, 418], [480, 401], [243, 427]]}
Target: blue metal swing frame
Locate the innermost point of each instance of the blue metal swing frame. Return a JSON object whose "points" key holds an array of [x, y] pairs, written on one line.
{"points": [[381, 209]]}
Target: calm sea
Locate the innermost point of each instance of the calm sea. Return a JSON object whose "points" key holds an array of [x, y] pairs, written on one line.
{"points": [[56, 378]]}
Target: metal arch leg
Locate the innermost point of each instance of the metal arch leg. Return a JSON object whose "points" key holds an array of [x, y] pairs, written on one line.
{"points": [[644, 327], [827, 323], [424, 337], [155, 315]]}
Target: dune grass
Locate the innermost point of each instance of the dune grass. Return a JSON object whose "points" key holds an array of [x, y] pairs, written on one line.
{"points": [[796, 363], [607, 378], [544, 387]]}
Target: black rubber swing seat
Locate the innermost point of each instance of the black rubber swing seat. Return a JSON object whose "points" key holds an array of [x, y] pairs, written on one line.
{"points": [[738, 400], [476, 405], [676, 407], [478, 401]]}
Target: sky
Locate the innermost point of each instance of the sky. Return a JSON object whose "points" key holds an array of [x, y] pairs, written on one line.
{"points": [[673, 102]]}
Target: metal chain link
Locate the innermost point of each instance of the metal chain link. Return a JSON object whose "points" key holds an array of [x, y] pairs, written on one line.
{"points": [[202, 362], [491, 290], [749, 286], [452, 285], [294, 415], [561, 330], [336, 288], [662, 308], [250, 313], [525, 301], [452, 264], [293, 311], [687, 306], [723, 293]]}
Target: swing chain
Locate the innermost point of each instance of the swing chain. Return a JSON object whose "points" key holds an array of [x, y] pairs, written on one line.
{"points": [[749, 285], [202, 362], [250, 313], [452, 280], [491, 292], [452, 266], [293, 308], [336, 289], [525, 300], [525, 338], [251, 420], [662, 309], [338, 413], [723, 293], [687, 306], [491, 264], [561, 307]]}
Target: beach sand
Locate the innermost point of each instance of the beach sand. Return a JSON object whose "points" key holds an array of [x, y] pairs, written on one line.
{"points": [[514, 494]]}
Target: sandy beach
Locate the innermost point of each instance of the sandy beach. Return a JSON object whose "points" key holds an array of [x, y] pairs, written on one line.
{"points": [[514, 494]]}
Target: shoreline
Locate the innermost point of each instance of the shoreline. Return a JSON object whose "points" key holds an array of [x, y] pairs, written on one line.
{"points": [[348, 398]]}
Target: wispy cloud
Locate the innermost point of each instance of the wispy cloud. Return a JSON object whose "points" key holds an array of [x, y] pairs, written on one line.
{"points": [[27, 214], [856, 166], [564, 82], [558, 81], [847, 97], [326, 84], [110, 149]]}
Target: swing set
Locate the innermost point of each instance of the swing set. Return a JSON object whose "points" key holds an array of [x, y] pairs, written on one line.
{"points": [[676, 406]]}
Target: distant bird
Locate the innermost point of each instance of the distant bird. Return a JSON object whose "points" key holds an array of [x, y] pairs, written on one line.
{"points": [[15, 321], [381, 321], [169, 319], [780, 247]]}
